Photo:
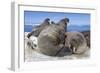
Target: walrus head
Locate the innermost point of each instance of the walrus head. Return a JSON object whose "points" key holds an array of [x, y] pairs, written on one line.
{"points": [[76, 42]]}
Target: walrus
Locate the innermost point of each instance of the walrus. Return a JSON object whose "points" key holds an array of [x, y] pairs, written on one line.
{"points": [[87, 37], [51, 39], [36, 31], [76, 42]]}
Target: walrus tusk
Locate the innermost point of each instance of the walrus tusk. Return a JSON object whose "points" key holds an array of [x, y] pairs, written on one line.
{"points": [[74, 49]]}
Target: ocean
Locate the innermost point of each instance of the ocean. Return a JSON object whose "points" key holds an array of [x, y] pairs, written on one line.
{"points": [[28, 28]]}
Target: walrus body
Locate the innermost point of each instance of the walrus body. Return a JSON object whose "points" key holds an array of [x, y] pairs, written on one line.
{"points": [[51, 39], [76, 41]]}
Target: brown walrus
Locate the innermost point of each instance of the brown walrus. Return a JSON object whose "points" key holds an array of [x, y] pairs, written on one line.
{"points": [[76, 42], [36, 31], [51, 39]]}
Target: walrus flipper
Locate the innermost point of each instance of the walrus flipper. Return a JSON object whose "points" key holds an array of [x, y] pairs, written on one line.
{"points": [[63, 23], [63, 52], [36, 31]]}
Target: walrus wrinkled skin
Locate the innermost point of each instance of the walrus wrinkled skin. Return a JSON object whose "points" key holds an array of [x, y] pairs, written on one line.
{"points": [[51, 39], [36, 31], [76, 41]]}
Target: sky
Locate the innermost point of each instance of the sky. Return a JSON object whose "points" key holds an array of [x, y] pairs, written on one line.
{"points": [[37, 17]]}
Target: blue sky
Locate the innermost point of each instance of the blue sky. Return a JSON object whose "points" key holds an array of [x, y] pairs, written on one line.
{"points": [[37, 17]]}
